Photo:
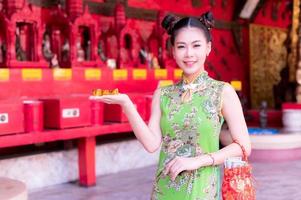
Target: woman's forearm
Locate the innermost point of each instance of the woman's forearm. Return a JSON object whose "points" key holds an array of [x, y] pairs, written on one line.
{"points": [[144, 134], [220, 156]]}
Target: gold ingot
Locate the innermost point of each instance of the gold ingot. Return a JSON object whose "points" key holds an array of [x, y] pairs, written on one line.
{"points": [[115, 91], [101, 92], [97, 92], [106, 92]]}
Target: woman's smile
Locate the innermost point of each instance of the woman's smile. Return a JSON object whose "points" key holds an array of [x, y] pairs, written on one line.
{"points": [[189, 63]]}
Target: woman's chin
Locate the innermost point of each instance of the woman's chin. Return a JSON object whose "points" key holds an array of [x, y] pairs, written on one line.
{"points": [[189, 71]]}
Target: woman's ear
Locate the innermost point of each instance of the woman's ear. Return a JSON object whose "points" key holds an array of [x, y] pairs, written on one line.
{"points": [[208, 48]]}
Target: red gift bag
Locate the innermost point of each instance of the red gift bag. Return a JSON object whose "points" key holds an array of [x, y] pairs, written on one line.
{"points": [[238, 183]]}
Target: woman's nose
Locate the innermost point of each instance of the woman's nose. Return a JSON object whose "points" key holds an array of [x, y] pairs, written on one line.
{"points": [[188, 52]]}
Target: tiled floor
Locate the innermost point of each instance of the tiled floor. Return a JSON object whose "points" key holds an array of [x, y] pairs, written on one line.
{"points": [[275, 181]]}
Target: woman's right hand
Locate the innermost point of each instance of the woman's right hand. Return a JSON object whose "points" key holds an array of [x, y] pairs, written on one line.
{"points": [[121, 99]]}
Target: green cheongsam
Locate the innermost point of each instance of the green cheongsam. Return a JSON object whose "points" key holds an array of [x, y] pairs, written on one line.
{"points": [[190, 129]]}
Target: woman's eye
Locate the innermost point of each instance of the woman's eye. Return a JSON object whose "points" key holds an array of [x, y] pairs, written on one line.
{"points": [[180, 47], [196, 45]]}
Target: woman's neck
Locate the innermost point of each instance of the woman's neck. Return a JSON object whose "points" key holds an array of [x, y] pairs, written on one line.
{"points": [[189, 78]]}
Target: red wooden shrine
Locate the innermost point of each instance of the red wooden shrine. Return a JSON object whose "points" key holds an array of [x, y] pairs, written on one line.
{"points": [[75, 40], [23, 35], [84, 38], [128, 38], [108, 43], [158, 43], [57, 34]]}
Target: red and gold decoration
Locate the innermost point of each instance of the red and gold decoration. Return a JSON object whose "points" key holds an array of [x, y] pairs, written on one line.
{"points": [[296, 20], [267, 58], [294, 38], [238, 183]]}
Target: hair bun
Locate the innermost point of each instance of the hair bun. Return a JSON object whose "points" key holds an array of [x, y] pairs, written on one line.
{"points": [[207, 20], [168, 22]]}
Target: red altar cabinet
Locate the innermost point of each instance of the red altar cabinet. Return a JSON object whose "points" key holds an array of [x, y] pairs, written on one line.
{"points": [[66, 112], [85, 33], [23, 35], [11, 117]]}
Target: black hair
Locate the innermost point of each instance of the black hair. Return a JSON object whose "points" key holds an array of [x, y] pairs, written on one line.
{"points": [[173, 24]]}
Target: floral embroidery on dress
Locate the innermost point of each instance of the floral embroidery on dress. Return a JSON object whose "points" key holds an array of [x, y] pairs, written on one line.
{"points": [[183, 123], [210, 190], [183, 144]]}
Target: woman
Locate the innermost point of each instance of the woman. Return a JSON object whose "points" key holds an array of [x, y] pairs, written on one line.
{"points": [[187, 117]]}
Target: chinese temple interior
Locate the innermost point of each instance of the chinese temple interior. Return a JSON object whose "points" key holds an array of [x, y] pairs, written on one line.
{"points": [[54, 53]]}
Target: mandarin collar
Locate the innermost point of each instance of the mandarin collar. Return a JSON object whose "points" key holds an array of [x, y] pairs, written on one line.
{"points": [[201, 80]]}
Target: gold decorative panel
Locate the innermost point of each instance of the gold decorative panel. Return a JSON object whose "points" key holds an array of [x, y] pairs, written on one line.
{"points": [[296, 47], [268, 56], [292, 57]]}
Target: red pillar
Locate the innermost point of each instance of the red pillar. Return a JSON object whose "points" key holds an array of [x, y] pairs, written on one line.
{"points": [[86, 161]]}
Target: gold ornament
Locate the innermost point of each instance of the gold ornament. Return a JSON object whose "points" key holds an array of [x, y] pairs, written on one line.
{"points": [[268, 57]]}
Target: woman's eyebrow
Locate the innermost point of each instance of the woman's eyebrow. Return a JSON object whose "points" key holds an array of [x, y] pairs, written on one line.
{"points": [[196, 41], [180, 43]]}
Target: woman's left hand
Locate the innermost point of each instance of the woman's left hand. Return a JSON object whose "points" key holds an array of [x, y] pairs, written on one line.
{"points": [[179, 164]]}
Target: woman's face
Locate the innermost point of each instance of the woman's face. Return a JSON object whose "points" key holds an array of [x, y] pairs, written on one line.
{"points": [[191, 49]]}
